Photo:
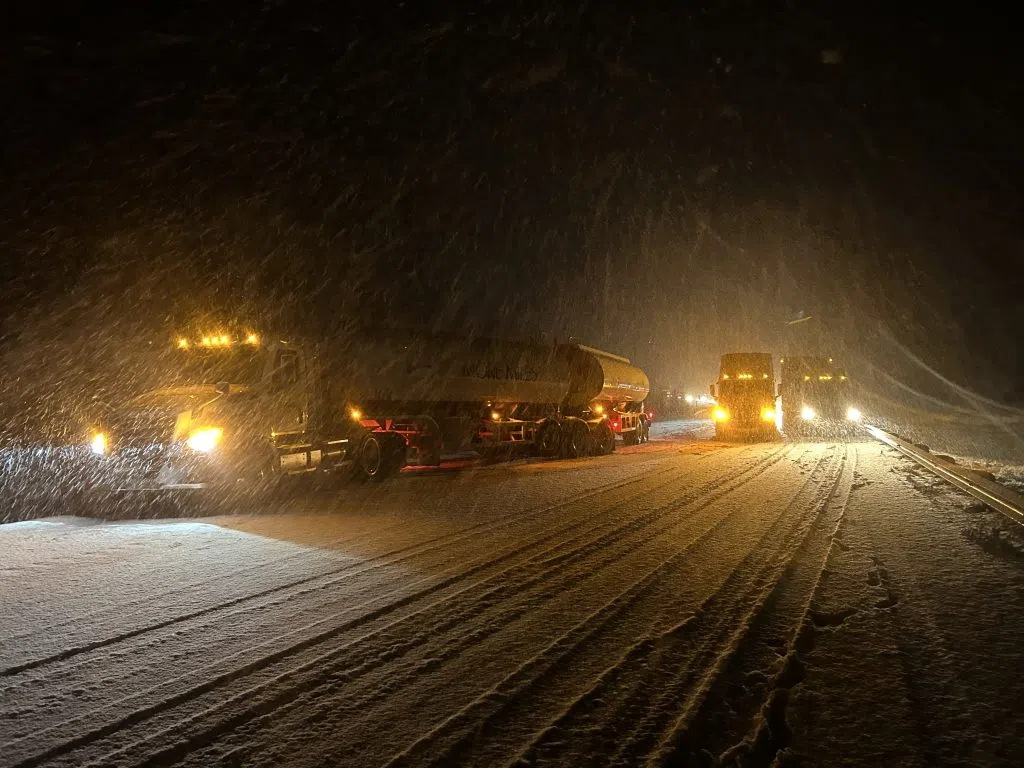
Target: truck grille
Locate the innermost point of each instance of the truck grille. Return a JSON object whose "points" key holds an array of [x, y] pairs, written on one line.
{"points": [[142, 431]]}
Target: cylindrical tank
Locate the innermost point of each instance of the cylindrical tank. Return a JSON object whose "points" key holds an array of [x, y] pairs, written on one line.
{"points": [[419, 368], [397, 366], [596, 375]]}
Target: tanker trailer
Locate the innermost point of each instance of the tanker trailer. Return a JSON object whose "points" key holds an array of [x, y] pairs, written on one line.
{"points": [[610, 386], [446, 393]]}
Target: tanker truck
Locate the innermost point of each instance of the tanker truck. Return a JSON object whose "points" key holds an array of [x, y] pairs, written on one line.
{"points": [[236, 411]]}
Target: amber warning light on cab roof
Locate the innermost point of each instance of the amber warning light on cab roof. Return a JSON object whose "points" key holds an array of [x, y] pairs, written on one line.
{"points": [[218, 340]]}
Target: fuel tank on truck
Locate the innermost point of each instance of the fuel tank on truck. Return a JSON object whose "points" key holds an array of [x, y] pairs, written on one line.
{"points": [[597, 375], [409, 367]]}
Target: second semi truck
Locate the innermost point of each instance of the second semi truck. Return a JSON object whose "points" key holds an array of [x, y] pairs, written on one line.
{"points": [[815, 396], [745, 397]]}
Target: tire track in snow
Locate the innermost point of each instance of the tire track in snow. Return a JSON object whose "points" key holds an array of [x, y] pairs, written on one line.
{"points": [[696, 687], [442, 743], [153, 597], [355, 665], [388, 558], [209, 683], [316, 665], [770, 651], [521, 695], [115, 659], [350, 570], [245, 628], [199, 585]]}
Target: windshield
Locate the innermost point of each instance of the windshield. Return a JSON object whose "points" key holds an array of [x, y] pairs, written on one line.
{"points": [[240, 365], [745, 388]]}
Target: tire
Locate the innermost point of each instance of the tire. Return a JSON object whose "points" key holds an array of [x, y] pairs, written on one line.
{"points": [[644, 431], [631, 437], [549, 439], [378, 458], [576, 437], [603, 439]]}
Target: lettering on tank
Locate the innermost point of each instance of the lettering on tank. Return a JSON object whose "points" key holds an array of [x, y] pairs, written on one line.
{"points": [[504, 372]]}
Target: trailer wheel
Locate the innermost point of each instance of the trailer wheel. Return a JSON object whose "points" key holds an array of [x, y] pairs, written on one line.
{"points": [[549, 439], [604, 439], [577, 435]]}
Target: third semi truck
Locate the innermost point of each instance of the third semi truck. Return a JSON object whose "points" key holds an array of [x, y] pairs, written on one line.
{"points": [[815, 396]]}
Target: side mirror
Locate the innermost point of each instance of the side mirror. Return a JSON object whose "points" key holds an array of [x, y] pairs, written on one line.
{"points": [[222, 387], [711, 390]]}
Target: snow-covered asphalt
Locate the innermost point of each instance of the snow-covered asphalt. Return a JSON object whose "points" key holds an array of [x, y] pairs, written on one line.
{"points": [[675, 603]]}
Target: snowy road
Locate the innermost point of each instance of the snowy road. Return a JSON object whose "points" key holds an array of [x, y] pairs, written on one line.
{"points": [[672, 602]]}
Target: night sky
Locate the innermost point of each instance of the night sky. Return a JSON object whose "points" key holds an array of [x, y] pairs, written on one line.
{"points": [[667, 184]]}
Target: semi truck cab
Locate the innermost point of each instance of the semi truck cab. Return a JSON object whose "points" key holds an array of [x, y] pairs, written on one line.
{"points": [[744, 397], [233, 411], [816, 397]]}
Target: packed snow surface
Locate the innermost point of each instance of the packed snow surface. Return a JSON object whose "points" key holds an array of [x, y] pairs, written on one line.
{"points": [[681, 602]]}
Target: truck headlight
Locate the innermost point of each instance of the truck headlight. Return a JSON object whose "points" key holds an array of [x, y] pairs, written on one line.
{"points": [[720, 414], [767, 414], [853, 414], [98, 444], [205, 440], [807, 413]]}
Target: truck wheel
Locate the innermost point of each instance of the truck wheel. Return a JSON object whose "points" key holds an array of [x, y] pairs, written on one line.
{"points": [[370, 462], [577, 435], [549, 439], [379, 458], [630, 438], [604, 439]]}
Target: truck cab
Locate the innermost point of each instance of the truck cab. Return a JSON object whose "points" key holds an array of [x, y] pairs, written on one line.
{"points": [[815, 396], [744, 397], [231, 410]]}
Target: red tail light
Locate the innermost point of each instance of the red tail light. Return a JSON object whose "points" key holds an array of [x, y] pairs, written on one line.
{"points": [[650, 415]]}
